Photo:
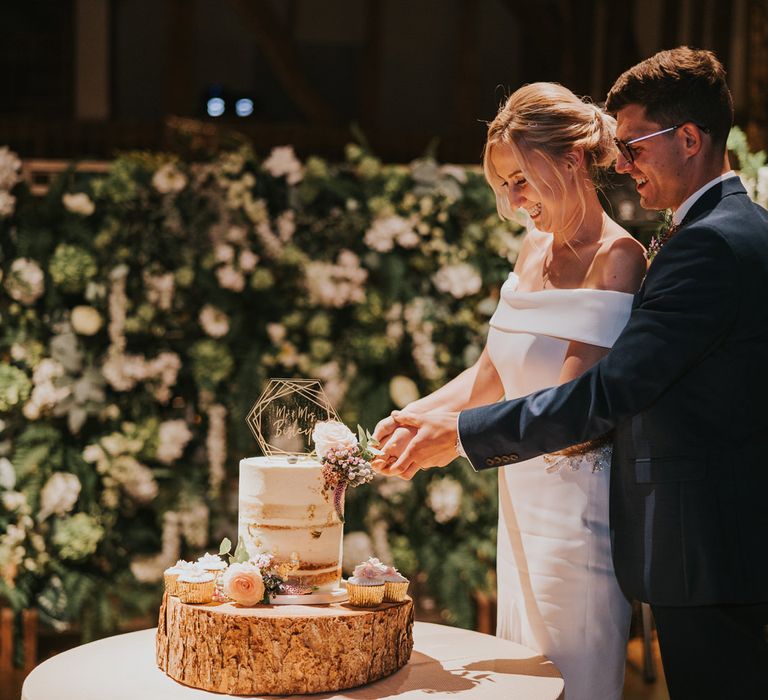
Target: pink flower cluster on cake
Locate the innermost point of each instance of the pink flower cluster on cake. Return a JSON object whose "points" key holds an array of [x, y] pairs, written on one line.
{"points": [[346, 462]]}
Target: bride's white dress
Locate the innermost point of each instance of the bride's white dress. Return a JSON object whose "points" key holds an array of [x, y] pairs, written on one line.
{"points": [[557, 592]]}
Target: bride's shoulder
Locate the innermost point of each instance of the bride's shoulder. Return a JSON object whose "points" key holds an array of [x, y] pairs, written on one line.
{"points": [[620, 263]]}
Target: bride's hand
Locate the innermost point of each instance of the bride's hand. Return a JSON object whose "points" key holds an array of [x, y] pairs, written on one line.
{"points": [[384, 429], [393, 447]]}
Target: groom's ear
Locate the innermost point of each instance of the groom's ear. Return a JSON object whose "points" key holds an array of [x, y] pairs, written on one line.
{"points": [[692, 140]]}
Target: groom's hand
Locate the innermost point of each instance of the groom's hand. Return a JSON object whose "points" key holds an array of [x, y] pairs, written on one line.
{"points": [[434, 445]]}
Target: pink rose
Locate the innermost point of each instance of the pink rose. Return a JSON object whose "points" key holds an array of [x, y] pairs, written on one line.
{"points": [[243, 584]]}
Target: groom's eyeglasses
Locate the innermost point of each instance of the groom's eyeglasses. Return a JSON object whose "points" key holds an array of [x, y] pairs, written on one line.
{"points": [[625, 147]]}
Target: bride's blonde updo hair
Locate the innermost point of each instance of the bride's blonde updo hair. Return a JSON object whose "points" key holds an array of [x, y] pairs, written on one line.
{"points": [[550, 120]]}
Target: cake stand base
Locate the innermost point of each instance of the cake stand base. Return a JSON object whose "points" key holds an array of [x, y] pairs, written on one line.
{"points": [[281, 650]]}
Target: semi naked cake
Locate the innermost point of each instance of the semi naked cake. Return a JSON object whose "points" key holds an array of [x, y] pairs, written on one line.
{"points": [[284, 512], [306, 641]]}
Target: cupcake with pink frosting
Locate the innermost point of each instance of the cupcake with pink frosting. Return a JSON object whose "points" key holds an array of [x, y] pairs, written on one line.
{"points": [[366, 585], [395, 585]]}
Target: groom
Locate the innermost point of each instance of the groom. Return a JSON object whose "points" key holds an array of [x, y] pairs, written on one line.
{"points": [[685, 390]]}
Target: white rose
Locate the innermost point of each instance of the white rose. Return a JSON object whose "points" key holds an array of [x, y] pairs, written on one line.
{"points": [[78, 203], [7, 474], [26, 281], [403, 390], [59, 494], [332, 435], [214, 321], [168, 178], [85, 320]]}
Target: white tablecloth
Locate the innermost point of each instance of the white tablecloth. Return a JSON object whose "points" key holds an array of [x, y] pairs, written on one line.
{"points": [[445, 660]]}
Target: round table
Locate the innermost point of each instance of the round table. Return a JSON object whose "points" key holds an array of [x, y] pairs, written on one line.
{"points": [[444, 660]]}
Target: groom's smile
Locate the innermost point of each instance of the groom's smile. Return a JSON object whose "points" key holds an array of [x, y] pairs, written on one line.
{"points": [[658, 163]]}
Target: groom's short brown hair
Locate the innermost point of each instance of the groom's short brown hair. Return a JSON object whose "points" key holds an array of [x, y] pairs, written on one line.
{"points": [[677, 86]]}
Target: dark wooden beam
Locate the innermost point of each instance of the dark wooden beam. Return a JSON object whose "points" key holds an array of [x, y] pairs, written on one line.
{"points": [[467, 64], [278, 49], [370, 74]]}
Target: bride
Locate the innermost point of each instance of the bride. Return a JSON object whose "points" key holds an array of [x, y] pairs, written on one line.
{"points": [[560, 310]]}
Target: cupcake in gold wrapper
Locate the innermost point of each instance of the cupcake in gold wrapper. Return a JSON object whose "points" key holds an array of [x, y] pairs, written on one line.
{"points": [[365, 595], [196, 587], [171, 575], [215, 565], [366, 586], [395, 585]]}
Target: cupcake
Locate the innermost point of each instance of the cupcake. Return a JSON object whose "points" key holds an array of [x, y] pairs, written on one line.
{"points": [[196, 586], [212, 563], [171, 575], [366, 585], [215, 565], [395, 585]]}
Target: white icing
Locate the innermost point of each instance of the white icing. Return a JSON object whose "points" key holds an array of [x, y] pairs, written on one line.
{"points": [[283, 512], [196, 577], [212, 562]]}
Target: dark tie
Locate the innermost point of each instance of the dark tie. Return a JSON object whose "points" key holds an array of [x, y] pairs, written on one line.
{"points": [[660, 239]]}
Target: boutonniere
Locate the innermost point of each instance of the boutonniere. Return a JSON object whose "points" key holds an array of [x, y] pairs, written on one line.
{"points": [[667, 230]]}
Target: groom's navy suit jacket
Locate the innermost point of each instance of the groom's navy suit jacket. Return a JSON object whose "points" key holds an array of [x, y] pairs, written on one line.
{"points": [[685, 389]]}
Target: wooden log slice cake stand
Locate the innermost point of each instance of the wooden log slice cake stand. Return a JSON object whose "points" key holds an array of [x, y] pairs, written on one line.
{"points": [[282, 650]]}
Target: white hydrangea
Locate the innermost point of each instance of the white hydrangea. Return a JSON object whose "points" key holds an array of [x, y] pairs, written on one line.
{"points": [[459, 280], [214, 321], [230, 278], [135, 478], [444, 498], [26, 281], [169, 179], [336, 285], [388, 230], [173, 436], [78, 203], [9, 168], [282, 161], [59, 494]]}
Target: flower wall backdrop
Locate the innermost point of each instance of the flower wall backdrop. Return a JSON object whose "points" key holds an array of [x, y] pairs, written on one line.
{"points": [[141, 312]]}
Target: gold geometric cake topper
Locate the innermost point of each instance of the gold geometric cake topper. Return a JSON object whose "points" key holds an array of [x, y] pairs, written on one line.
{"points": [[283, 418]]}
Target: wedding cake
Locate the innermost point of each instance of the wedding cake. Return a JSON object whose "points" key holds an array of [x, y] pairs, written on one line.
{"points": [[285, 512], [272, 619]]}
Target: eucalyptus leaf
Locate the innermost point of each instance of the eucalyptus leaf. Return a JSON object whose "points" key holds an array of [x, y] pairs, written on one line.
{"points": [[241, 553], [225, 547]]}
